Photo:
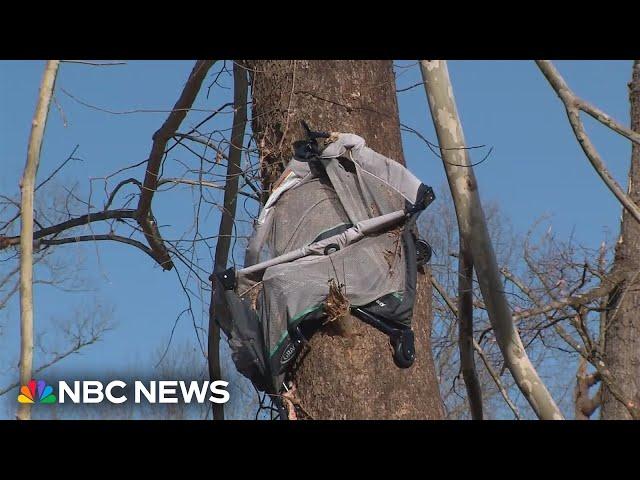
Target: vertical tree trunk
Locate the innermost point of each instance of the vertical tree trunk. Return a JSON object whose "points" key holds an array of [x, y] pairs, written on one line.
{"points": [[350, 376], [227, 220], [474, 234], [622, 332], [27, 187]]}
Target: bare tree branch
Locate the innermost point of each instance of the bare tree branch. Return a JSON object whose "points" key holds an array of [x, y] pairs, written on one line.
{"points": [[203, 183], [79, 345], [94, 64], [465, 332], [112, 196], [573, 105], [218, 151], [588, 351], [71, 223], [92, 238], [227, 220], [60, 167], [603, 289], [160, 139]]}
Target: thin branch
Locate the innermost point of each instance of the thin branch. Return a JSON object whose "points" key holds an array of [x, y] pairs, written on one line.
{"points": [[573, 105], [606, 120], [60, 167], [496, 379], [203, 183], [71, 223], [99, 237], [112, 196], [222, 154], [465, 332], [74, 349], [160, 139], [603, 289], [227, 220], [94, 64]]}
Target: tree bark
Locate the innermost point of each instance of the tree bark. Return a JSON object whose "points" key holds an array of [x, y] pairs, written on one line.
{"points": [[622, 330], [27, 187], [474, 233], [349, 376], [227, 219]]}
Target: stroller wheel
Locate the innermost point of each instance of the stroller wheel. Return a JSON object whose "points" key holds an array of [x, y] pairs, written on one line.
{"points": [[423, 252], [404, 353]]}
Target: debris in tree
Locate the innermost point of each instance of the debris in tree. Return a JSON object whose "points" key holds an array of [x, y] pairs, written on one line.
{"points": [[290, 401], [341, 204], [337, 304]]}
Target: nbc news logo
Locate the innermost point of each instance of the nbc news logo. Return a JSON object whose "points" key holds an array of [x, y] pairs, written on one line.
{"points": [[93, 391]]}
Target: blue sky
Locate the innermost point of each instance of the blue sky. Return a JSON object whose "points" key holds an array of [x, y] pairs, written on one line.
{"points": [[536, 169]]}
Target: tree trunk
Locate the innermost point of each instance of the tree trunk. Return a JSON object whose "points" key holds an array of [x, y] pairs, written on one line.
{"points": [[227, 219], [622, 332], [348, 376], [473, 230], [27, 187]]}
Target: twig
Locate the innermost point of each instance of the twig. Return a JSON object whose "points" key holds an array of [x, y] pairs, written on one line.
{"points": [[53, 361], [94, 64], [60, 167], [496, 379]]}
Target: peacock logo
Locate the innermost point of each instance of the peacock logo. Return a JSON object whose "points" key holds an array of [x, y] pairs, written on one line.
{"points": [[37, 392]]}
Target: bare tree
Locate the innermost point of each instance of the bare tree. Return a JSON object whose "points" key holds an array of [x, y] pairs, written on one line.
{"points": [[27, 187], [71, 335], [616, 352], [161, 250], [563, 304], [474, 234]]}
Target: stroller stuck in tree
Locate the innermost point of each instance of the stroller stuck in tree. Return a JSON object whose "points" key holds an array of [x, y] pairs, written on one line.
{"points": [[336, 236]]}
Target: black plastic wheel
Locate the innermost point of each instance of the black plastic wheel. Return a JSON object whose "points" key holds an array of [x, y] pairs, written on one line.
{"points": [[423, 252], [403, 344]]}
